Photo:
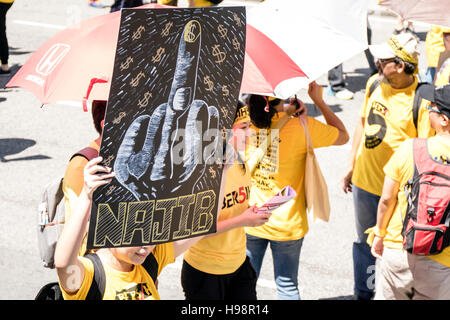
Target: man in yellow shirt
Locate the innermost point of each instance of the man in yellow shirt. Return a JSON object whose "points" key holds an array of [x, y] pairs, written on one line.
{"points": [[386, 120], [400, 274]]}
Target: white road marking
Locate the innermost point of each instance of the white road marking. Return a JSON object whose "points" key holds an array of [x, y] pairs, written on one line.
{"points": [[40, 24]]}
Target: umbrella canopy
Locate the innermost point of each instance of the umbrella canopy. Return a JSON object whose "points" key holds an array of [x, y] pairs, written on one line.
{"points": [[68, 64], [434, 12], [288, 44], [316, 35]]}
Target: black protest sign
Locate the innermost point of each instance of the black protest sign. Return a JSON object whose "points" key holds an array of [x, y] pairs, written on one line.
{"points": [[176, 80]]}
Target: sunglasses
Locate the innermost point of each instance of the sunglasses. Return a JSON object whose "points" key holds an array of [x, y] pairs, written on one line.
{"points": [[434, 110], [385, 61]]}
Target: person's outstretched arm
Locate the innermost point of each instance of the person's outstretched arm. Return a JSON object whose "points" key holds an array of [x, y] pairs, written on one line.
{"points": [[315, 92], [69, 269]]}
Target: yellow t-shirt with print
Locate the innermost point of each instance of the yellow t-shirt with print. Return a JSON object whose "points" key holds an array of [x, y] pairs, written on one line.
{"points": [[284, 165], [73, 184], [134, 285], [401, 169], [225, 253], [388, 121]]}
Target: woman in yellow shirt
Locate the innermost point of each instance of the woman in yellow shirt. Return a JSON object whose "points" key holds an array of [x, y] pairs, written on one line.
{"points": [[284, 165], [217, 268], [126, 277], [4, 49]]}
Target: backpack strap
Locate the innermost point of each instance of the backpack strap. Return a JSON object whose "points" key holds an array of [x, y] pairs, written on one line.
{"points": [[416, 104], [151, 266], [89, 153], [97, 288], [375, 84]]}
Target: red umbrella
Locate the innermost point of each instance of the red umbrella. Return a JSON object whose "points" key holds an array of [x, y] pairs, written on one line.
{"points": [[68, 65]]}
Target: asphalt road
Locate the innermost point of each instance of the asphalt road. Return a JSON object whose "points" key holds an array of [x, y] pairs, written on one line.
{"points": [[35, 144]]}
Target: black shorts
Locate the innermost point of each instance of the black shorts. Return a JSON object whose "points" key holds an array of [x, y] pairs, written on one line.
{"points": [[239, 285]]}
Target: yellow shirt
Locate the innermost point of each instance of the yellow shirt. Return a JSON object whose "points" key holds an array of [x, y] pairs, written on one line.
{"points": [[401, 169], [73, 184], [443, 75], [134, 285], [434, 45], [388, 121], [284, 165], [6, 1], [225, 253]]}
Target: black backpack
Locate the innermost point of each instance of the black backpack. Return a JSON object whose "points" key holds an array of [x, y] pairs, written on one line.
{"points": [[52, 291]]}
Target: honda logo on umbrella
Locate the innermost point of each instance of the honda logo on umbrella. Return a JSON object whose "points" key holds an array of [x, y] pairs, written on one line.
{"points": [[52, 58]]}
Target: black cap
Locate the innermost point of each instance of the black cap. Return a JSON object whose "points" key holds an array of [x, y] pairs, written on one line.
{"points": [[439, 95]]}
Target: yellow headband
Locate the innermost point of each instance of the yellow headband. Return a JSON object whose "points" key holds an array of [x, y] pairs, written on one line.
{"points": [[242, 115], [402, 53]]}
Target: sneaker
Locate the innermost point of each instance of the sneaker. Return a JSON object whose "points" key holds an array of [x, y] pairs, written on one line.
{"points": [[344, 94]]}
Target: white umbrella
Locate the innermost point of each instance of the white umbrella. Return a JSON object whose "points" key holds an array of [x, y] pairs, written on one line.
{"points": [[435, 12], [317, 35]]}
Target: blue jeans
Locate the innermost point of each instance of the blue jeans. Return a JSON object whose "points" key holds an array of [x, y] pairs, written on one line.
{"points": [[286, 256], [366, 205]]}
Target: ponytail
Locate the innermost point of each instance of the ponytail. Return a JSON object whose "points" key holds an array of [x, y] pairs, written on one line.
{"points": [[259, 115]]}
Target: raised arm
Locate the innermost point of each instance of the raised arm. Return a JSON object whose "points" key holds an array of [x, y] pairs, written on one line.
{"points": [[69, 269], [315, 92]]}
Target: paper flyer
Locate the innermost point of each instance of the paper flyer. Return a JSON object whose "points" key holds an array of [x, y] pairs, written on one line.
{"points": [[285, 194]]}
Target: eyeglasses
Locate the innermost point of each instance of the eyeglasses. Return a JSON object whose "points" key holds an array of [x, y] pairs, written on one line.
{"points": [[385, 61], [434, 110]]}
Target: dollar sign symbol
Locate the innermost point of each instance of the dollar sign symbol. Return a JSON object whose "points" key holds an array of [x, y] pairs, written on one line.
{"points": [[225, 91], [225, 113], [212, 172], [135, 81], [158, 56], [192, 31], [124, 65], [223, 31], [144, 101], [166, 30], [119, 118], [236, 43], [209, 83], [220, 55], [137, 34], [237, 19]]}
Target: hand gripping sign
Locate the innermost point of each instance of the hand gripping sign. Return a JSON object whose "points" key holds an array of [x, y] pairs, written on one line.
{"points": [[177, 119]]}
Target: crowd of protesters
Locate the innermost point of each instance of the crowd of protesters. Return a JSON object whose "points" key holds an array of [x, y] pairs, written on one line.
{"points": [[382, 162]]}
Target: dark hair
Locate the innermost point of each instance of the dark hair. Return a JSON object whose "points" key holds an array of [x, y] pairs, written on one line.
{"points": [[98, 114], [409, 67], [258, 116]]}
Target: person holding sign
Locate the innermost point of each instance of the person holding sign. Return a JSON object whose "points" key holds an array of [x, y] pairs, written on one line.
{"points": [[217, 267], [126, 278], [283, 164]]}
